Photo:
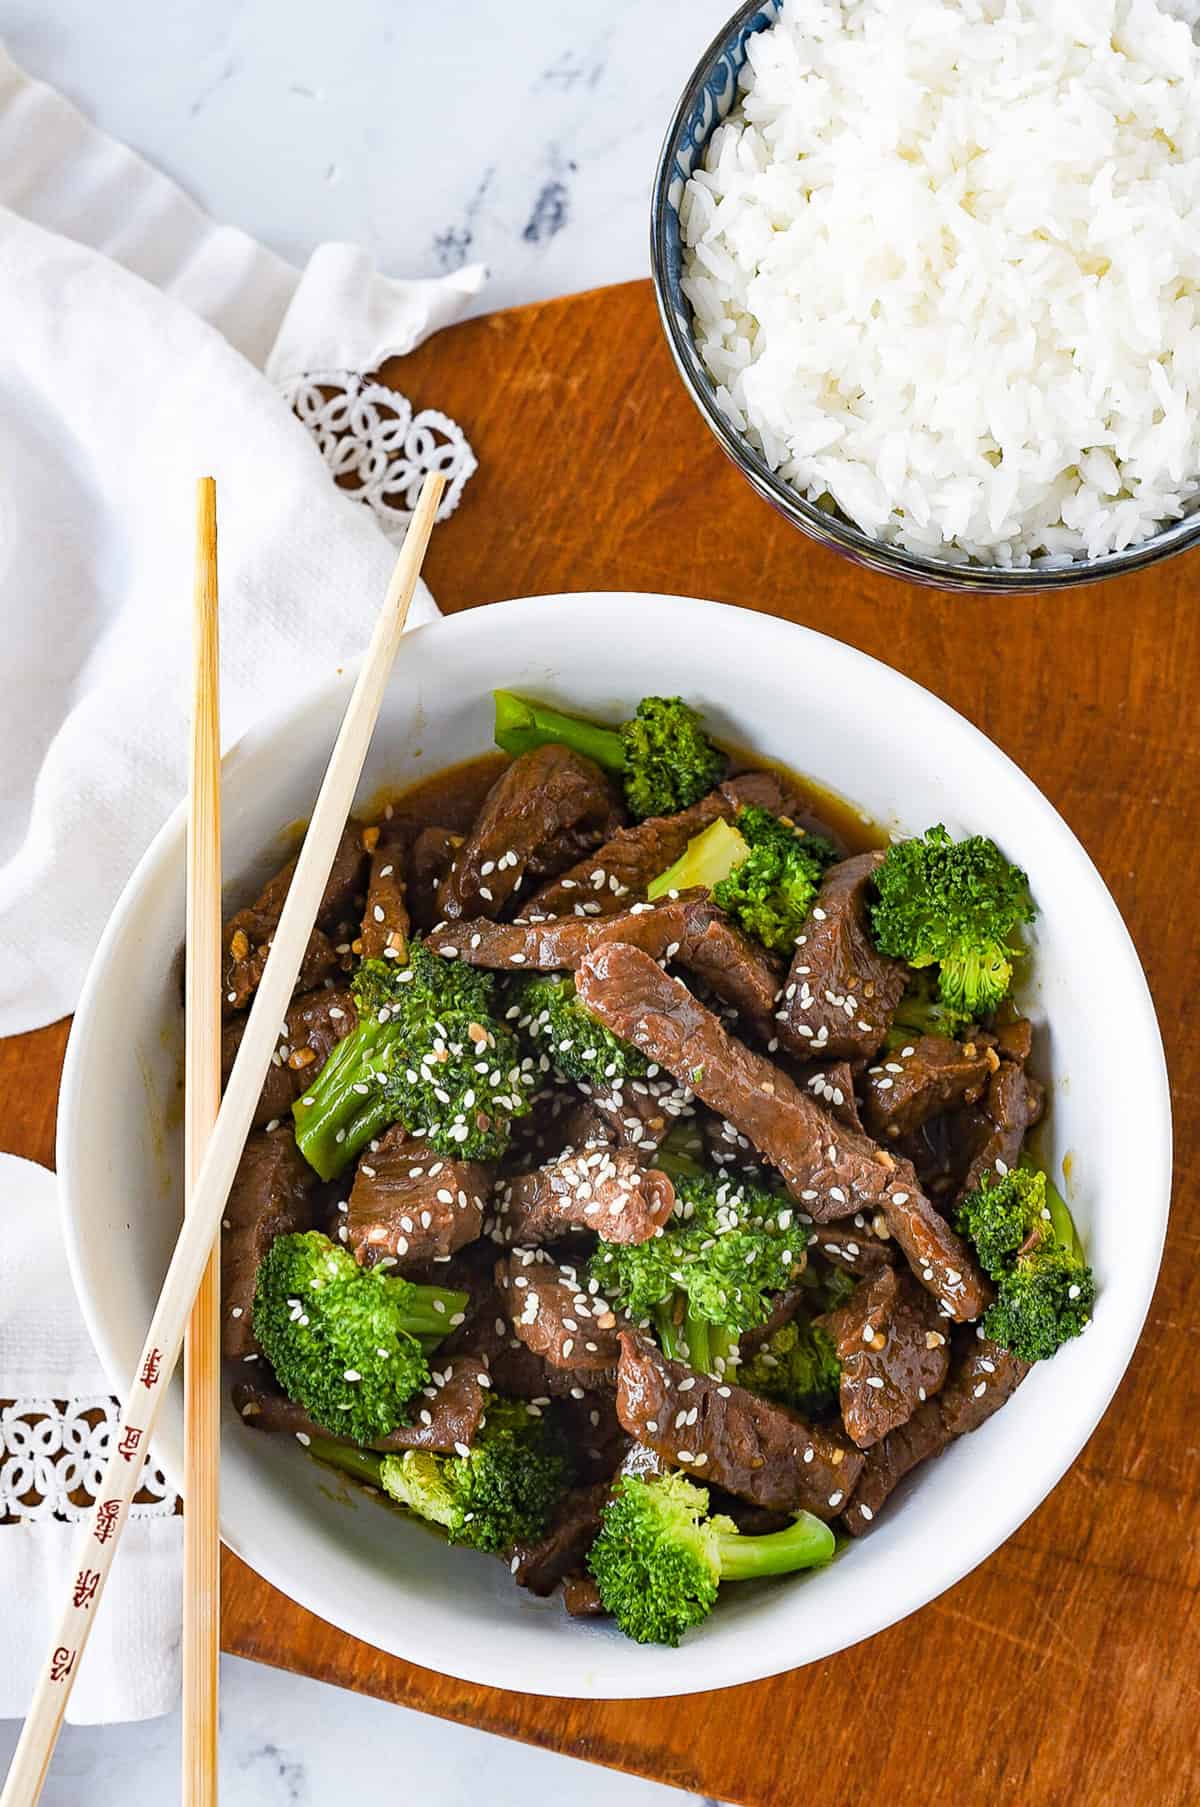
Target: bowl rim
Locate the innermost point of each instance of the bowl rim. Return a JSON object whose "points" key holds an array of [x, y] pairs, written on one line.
{"points": [[830, 529], [755, 1658]]}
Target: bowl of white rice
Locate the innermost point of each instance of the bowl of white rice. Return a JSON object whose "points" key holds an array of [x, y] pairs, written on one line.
{"points": [[930, 270]]}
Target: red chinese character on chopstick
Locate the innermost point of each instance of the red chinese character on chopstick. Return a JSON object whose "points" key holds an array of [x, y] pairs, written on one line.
{"points": [[128, 1445], [86, 1583], [107, 1514], [151, 1368], [61, 1664]]}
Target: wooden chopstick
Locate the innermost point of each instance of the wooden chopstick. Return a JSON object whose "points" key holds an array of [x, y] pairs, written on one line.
{"points": [[202, 1099], [101, 1530]]}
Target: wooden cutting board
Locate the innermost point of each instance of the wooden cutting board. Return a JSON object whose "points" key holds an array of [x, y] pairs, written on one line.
{"points": [[1067, 1668]]}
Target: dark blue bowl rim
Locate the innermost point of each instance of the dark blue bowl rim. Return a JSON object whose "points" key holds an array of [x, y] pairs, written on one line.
{"points": [[832, 530]]}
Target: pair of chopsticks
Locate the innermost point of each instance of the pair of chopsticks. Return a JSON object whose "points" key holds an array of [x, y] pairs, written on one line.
{"points": [[214, 1142]]}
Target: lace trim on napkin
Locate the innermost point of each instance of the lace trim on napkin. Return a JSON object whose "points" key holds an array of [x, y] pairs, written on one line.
{"points": [[377, 448], [52, 1458]]}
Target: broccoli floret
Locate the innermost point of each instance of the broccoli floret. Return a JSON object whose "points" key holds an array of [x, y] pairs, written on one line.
{"points": [[429, 1052], [710, 1272], [957, 904], [552, 1019], [663, 756], [1001, 1213], [771, 892], [347, 1343], [501, 1493], [764, 873], [659, 1560], [799, 1365], [922, 1012], [447, 984], [1027, 1242]]}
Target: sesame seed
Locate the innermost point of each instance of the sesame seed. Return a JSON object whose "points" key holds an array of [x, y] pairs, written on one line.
{"points": [[835, 1499], [866, 1513]]}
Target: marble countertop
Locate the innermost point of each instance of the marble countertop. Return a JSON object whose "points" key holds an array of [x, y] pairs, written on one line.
{"points": [[523, 136]]}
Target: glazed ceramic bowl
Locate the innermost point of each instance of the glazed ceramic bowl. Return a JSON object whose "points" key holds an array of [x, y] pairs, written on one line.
{"points": [[710, 93], [825, 710]]}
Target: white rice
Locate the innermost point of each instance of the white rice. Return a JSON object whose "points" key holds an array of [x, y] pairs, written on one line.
{"points": [[944, 259]]}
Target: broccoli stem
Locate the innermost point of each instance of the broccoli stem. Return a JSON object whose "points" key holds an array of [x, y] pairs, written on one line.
{"points": [[1061, 1221], [722, 1344], [363, 1464], [803, 1545], [696, 1335], [671, 1337], [681, 1156], [335, 1118], [708, 858], [521, 726]]}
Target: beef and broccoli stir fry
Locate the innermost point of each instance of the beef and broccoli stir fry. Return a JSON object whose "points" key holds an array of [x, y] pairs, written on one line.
{"points": [[639, 1189]]}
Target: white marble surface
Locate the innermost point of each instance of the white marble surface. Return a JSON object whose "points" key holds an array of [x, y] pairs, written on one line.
{"points": [[290, 1742], [523, 135]]}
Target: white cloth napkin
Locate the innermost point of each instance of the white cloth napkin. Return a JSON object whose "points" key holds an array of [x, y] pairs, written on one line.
{"points": [[114, 396], [142, 348]]}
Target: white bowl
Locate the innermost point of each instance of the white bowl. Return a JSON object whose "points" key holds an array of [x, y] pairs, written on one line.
{"points": [[909, 761]]}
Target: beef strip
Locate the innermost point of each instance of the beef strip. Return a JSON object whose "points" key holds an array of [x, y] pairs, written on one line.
{"points": [[601, 1189], [832, 1170], [315, 1024], [921, 1080], [1015, 1040], [623, 868], [247, 936], [641, 1113], [985, 1375], [542, 1565], [595, 1435], [560, 943], [924, 1435], [385, 921], [841, 993], [893, 1351], [274, 1193], [546, 809], [831, 1083], [516, 1370], [943, 1149], [1013, 1105], [429, 860], [738, 971], [412, 1204], [725, 1435], [581, 1597], [446, 1413], [247, 942], [942, 1261], [554, 1314], [858, 1249], [726, 1147], [982, 1377]]}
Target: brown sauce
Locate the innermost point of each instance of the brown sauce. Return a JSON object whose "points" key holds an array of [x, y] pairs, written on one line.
{"points": [[452, 797]]}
